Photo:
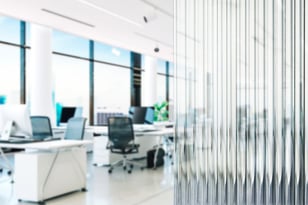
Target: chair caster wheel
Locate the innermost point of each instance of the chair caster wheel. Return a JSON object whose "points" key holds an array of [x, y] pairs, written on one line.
{"points": [[110, 171], [124, 167], [131, 166], [142, 168], [129, 171], [9, 172]]}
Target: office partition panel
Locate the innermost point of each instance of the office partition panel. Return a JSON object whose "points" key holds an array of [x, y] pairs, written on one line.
{"points": [[240, 104]]}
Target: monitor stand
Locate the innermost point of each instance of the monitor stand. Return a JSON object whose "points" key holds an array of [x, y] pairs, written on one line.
{"points": [[6, 132]]}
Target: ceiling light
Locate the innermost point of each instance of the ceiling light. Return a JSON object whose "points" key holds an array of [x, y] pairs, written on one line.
{"points": [[109, 12], [67, 17]]}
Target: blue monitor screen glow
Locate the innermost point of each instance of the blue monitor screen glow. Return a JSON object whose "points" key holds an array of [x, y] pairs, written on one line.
{"points": [[20, 116], [149, 115]]}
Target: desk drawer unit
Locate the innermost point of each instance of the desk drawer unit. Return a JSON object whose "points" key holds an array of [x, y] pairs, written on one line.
{"points": [[43, 175]]}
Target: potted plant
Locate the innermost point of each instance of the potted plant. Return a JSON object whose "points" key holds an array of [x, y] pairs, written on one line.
{"points": [[161, 112]]}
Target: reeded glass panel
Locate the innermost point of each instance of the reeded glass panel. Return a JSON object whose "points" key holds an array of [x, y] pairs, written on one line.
{"points": [[240, 102]]}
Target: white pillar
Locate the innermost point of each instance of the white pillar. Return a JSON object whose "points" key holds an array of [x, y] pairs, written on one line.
{"points": [[41, 88], [148, 86]]}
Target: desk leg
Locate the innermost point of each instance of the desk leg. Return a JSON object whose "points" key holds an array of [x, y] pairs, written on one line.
{"points": [[157, 150], [8, 164], [82, 173], [49, 172]]}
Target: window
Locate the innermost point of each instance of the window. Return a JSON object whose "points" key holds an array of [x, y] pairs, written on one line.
{"points": [[161, 81], [70, 44], [10, 73], [111, 54], [171, 91], [10, 60], [111, 89], [9, 30], [71, 84]]}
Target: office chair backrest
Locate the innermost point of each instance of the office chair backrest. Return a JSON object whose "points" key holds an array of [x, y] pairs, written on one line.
{"points": [[41, 127], [75, 128], [120, 131]]}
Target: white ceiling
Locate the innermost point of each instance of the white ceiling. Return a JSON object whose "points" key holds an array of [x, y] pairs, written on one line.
{"points": [[115, 22]]}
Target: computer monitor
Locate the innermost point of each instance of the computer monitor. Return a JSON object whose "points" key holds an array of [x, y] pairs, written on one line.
{"points": [[69, 112], [20, 116], [142, 115], [149, 115]]}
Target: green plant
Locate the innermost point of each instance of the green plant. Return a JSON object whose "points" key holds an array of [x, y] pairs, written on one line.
{"points": [[161, 112]]}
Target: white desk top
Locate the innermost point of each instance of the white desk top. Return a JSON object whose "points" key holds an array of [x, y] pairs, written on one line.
{"points": [[139, 131], [159, 132], [49, 145]]}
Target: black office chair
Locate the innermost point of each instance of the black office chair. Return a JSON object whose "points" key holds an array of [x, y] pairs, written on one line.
{"points": [[41, 127], [75, 128], [121, 141]]}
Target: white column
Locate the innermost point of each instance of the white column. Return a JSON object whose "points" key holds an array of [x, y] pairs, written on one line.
{"points": [[41, 73], [148, 86]]}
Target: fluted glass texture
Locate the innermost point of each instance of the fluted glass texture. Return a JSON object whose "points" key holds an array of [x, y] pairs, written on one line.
{"points": [[240, 107]]}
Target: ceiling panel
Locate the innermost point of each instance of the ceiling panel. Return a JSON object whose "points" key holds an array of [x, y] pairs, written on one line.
{"points": [[115, 22]]}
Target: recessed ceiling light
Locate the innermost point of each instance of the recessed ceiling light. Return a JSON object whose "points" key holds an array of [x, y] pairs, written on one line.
{"points": [[109, 12], [67, 17]]}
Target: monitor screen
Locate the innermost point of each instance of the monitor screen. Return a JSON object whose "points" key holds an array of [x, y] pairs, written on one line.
{"points": [[149, 115], [20, 116], [142, 115], [69, 112]]}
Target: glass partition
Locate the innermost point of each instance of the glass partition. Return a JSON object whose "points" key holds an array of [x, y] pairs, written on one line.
{"points": [[240, 102]]}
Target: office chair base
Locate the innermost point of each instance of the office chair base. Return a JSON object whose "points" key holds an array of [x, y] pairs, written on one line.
{"points": [[126, 164]]}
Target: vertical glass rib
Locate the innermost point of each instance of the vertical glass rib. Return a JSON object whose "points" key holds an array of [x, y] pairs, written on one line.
{"points": [[240, 102]]}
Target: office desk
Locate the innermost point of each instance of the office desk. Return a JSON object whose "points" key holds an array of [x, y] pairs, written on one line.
{"points": [[49, 169], [146, 139], [59, 132]]}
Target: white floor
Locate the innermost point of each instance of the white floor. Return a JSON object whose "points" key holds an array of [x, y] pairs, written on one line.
{"points": [[141, 187]]}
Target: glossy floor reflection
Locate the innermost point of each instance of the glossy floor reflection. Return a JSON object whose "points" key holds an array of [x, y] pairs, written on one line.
{"points": [[146, 187]]}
